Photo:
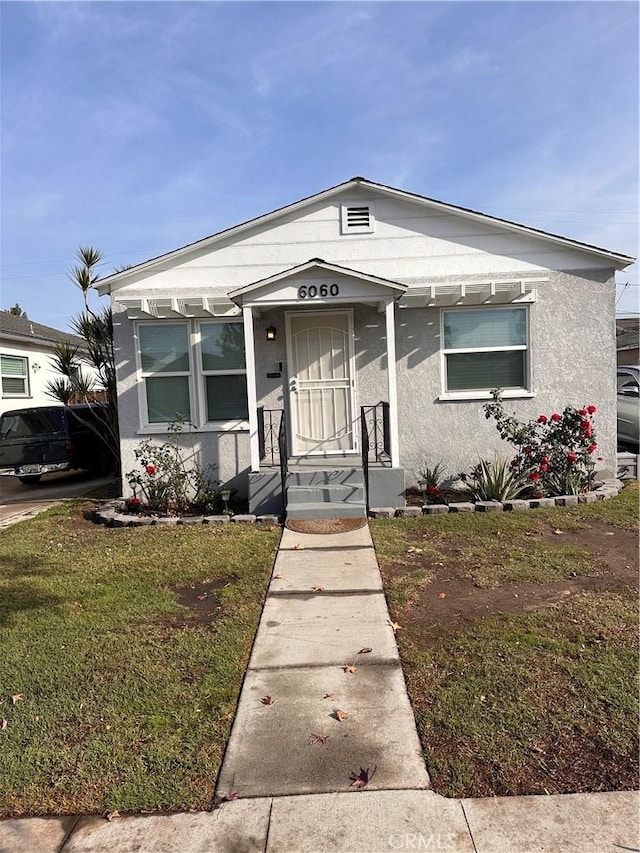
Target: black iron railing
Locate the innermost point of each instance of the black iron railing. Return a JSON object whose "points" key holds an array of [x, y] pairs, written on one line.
{"points": [[269, 423], [283, 452], [375, 439]]}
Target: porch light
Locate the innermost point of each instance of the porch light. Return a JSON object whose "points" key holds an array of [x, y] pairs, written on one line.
{"points": [[225, 494], [271, 333]]}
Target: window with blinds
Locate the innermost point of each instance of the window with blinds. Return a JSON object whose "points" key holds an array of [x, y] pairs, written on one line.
{"points": [[165, 365], [485, 348], [14, 370]]}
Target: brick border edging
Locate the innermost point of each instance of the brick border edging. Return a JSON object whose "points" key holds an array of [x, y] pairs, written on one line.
{"points": [[112, 514], [605, 490]]}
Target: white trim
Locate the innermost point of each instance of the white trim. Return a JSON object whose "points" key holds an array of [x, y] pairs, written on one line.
{"points": [[392, 387], [202, 374], [145, 424], [252, 396], [345, 228], [26, 394], [509, 394]]}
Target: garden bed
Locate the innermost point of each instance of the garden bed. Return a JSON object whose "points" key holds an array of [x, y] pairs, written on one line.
{"points": [[518, 641]]}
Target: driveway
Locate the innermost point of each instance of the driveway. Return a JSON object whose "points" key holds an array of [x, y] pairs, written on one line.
{"points": [[18, 501]]}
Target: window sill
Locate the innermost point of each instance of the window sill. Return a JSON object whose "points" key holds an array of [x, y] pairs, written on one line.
{"points": [[453, 396], [218, 426]]}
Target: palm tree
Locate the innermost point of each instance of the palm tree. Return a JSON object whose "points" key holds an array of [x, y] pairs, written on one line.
{"points": [[96, 329]]}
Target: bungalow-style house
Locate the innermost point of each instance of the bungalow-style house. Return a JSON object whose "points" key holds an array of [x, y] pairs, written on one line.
{"points": [[27, 350], [328, 350]]}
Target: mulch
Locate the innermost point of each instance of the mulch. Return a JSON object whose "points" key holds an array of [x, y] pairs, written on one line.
{"points": [[325, 525]]}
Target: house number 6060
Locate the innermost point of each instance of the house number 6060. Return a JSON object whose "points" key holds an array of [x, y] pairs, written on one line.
{"points": [[312, 292]]}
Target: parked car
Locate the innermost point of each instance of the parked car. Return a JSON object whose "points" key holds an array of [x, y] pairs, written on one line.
{"points": [[628, 406], [43, 439]]}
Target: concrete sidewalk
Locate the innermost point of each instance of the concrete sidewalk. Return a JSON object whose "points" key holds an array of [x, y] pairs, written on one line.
{"points": [[294, 790]]}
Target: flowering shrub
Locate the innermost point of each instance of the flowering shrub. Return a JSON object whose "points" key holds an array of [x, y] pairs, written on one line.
{"points": [[556, 453], [431, 481], [169, 479]]}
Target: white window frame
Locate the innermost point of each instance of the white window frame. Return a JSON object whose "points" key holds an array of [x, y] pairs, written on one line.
{"points": [[216, 426], [147, 426], [27, 389], [345, 228], [485, 394]]}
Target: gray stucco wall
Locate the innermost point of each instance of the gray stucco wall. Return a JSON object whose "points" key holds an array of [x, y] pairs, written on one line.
{"points": [[573, 351], [572, 348]]}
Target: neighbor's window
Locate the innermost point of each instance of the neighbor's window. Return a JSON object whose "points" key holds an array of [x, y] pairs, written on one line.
{"points": [[485, 348], [15, 376], [164, 359], [224, 371]]}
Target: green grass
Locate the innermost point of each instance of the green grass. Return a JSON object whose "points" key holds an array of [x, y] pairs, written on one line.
{"points": [[521, 703], [127, 700]]}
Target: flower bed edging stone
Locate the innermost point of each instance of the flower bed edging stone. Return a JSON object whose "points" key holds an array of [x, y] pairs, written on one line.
{"points": [[113, 514], [608, 489]]}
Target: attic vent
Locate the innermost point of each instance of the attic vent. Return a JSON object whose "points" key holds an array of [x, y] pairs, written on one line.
{"points": [[357, 218]]}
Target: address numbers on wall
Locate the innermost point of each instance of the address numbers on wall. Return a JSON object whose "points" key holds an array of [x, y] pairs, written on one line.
{"points": [[311, 291]]}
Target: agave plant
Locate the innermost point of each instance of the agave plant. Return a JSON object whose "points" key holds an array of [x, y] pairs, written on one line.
{"points": [[495, 481]]}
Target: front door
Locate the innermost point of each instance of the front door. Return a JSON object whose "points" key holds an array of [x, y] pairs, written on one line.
{"points": [[321, 384]]}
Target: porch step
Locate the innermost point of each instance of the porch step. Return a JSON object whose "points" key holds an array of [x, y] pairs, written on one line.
{"points": [[325, 477], [325, 509], [351, 493]]}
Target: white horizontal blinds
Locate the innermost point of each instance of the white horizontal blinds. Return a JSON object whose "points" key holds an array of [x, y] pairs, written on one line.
{"points": [[224, 366], [14, 371], [485, 349], [485, 328], [164, 349]]}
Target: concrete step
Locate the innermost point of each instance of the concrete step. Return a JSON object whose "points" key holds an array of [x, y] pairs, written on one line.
{"points": [[325, 494], [326, 509], [326, 477]]}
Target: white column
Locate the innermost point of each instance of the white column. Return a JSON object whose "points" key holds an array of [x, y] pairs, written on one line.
{"points": [[391, 383], [252, 396]]}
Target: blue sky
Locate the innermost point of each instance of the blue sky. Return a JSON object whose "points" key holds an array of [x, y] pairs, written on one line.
{"points": [[139, 127]]}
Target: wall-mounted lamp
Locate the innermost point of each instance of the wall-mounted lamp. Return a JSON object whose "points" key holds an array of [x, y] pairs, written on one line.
{"points": [[35, 367], [271, 333]]}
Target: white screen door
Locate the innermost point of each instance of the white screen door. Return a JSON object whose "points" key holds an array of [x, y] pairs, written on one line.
{"points": [[321, 386]]}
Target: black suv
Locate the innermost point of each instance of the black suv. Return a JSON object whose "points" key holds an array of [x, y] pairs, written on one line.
{"points": [[42, 439]]}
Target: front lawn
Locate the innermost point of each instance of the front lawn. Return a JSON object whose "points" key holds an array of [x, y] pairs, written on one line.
{"points": [[519, 645], [122, 655]]}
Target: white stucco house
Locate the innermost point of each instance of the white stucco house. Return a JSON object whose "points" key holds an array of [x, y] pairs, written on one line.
{"points": [[326, 351], [27, 350]]}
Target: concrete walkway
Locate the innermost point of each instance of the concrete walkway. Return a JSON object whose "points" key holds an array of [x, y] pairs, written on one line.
{"points": [[294, 790]]}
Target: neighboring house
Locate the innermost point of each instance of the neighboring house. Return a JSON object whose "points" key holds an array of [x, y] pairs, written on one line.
{"points": [[362, 303], [628, 339], [26, 353]]}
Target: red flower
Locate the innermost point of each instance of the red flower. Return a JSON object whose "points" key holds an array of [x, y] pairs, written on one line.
{"points": [[514, 463], [591, 409], [591, 447], [134, 501], [571, 457], [543, 419], [527, 450], [433, 490], [545, 460], [582, 412], [543, 468], [150, 469], [534, 476], [556, 417]]}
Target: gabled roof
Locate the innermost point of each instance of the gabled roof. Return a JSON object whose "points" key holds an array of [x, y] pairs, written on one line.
{"points": [[110, 282], [316, 264], [21, 328]]}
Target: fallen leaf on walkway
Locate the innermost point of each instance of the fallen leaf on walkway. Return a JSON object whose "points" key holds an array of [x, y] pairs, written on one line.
{"points": [[350, 668], [329, 696], [278, 576], [339, 715], [321, 739], [111, 815], [394, 625], [317, 588], [16, 698], [348, 564], [267, 700], [3, 725], [229, 797], [359, 780], [442, 595], [298, 547], [365, 650]]}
